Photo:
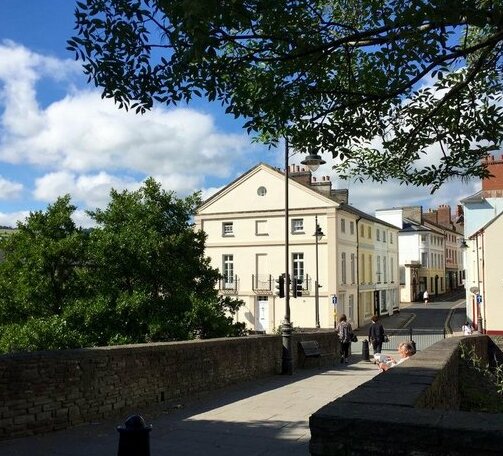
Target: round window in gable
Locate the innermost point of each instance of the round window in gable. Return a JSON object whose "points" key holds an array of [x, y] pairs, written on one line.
{"points": [[261, 191]]}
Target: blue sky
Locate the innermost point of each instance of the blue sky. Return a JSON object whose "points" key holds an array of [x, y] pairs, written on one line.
{"points": [[58, 136]]}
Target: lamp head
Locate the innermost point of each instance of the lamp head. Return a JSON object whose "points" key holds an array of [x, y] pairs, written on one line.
{"points": [[313, 162]]}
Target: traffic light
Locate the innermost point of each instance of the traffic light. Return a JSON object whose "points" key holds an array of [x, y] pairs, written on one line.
{"points": [[280, 286], [296, 287]]}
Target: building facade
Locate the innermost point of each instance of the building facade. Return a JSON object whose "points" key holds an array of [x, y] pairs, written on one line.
{"points": [[484, 261], [430, 255], [245, 228]]}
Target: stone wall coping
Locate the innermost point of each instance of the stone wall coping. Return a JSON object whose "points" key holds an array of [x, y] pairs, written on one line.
{"points": [[410, 410]]}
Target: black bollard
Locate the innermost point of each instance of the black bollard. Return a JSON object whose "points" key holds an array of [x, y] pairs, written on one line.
{"points": [[134, 437], [413, 345], [365, 350]]}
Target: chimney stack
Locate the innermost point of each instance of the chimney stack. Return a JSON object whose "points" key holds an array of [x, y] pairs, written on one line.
{"points": [[495, 167]]}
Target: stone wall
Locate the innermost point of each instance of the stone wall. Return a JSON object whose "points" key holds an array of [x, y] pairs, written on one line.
{"points": [[46, 391], [411, 409]]}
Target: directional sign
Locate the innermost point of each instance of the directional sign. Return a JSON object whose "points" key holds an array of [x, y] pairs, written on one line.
{"points": [[479, 299], [334, 300]]}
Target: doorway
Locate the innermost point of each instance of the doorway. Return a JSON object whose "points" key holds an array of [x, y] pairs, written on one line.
{"points": [[262, 321]]}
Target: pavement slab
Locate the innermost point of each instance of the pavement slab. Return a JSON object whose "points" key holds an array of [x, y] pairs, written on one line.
{"points": [[267, 417]]}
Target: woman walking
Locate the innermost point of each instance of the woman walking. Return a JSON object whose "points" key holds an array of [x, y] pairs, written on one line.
{"points": [[345, 332], [376, 334]]}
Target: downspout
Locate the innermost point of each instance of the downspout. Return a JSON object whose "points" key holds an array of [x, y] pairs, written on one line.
{"points": [[477, 305], [484, 302], [358, 269]]}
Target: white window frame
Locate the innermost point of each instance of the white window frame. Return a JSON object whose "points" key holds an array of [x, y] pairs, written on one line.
{"points": [[352, 268], [343, 268], [371, 269], [363, 268], [424, 256], [228, 270], [298, 265], [227, 229], [297, 225]]}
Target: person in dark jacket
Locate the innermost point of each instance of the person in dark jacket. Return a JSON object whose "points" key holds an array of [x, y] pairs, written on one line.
{"points": [[376, 334], [345, 331]]}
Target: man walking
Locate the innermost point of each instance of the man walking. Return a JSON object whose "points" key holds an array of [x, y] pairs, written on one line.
{"points": [[425, 297]]}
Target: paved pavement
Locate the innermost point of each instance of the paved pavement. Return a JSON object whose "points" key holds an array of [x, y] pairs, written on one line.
{"points": [[267, 417]]}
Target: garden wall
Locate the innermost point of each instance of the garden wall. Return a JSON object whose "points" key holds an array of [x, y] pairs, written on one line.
{"points": [[46, 391], [411, 409]]}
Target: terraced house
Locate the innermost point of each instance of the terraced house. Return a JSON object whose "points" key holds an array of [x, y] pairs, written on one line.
{"points": [[431, 256], [354, 256]]}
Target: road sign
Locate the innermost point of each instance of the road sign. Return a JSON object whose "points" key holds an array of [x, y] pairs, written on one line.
{"points": [[334, 300], [479, 299]]}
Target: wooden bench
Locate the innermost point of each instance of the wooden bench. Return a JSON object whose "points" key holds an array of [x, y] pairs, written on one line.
{"points": [[311, 349]]}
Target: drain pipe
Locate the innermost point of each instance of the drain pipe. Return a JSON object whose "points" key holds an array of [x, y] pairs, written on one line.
{"points": [[358, 270]]}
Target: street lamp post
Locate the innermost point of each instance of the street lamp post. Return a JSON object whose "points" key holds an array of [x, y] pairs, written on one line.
{"points": [[318, 234], [313, 161], [286, 327]]}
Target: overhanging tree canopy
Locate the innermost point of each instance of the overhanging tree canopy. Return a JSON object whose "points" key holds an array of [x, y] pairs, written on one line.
{"points": [[402, 89]]}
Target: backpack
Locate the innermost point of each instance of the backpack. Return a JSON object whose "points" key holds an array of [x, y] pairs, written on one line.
{"points": [[344, 332]]}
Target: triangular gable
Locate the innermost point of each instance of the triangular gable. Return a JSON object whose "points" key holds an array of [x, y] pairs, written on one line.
{"points": [[243, 194]]}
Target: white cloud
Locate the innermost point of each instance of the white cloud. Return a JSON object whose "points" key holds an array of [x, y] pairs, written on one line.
{"points": [[9, 189], [20, 69], [93, 190], [209, 192], [369, 196], [83, 220], [83, 133], [11, 218]]}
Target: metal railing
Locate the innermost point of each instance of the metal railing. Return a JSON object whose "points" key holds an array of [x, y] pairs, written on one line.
{"points": [[228, 285], [262, 282], [423, 338]]}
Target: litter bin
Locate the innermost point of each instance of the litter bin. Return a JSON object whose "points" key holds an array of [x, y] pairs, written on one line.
{"points": [[134, 437], [365, 350]]}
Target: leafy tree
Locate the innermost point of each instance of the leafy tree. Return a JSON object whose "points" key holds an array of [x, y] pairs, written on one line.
{"points": [[379, 84], [139, 276], [210, 318], [39, 275], [149, 262]]}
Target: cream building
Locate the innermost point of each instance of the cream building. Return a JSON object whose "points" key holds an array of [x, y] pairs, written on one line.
{"points": [[484, 258], [422, 250], [245, 227], [485, 280]]}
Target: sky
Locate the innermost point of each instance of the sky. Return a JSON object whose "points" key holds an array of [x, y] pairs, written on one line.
{"points": [[58, 136]]}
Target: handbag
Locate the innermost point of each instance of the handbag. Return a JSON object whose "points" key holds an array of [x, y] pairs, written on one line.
{"points": [[385, 338], [354, 338]]}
